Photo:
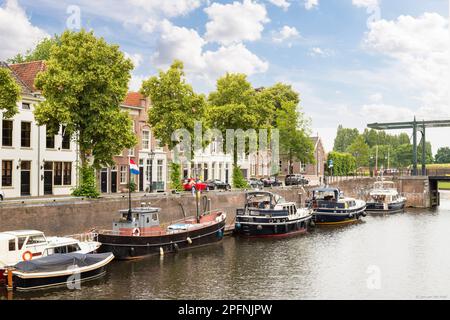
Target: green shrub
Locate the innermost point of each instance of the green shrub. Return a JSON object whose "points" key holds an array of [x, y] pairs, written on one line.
{"points": [[175, 177], [239, 181], [88, 186]]}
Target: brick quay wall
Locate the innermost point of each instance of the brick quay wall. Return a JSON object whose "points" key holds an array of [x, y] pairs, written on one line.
{"points": [[77, 215]]}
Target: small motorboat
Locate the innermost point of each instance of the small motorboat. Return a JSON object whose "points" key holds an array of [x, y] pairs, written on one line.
{"points": [[384, 198], [139, 233], [331, 207], [57, 270], [266, 214], [23, 245]]}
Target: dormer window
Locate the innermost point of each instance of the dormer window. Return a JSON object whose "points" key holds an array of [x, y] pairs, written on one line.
{"points": [[26, 106]]}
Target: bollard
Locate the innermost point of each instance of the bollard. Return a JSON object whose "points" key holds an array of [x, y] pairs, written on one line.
{"points": [[10, 278]]}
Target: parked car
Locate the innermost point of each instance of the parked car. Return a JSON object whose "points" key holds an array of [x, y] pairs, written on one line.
{"points": [[194, 183], [2, 195], [295, 179], [271, 182], [255, 183], [217, 184]]}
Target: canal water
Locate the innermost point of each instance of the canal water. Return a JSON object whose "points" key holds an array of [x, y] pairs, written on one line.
{"points": [[401, 256]]}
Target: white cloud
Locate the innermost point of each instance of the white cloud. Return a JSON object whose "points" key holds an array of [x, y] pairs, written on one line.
{"points": [[235, 22], [281, 3], [376, 97], [285, 33], [366, 3], [136, 58], [17, 34], [136, 82], [311, 4], [379, 112], [187, 45], [319, 52], [419, 48]]}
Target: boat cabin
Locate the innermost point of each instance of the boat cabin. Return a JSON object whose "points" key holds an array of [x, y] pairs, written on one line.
{"points": [[330, 198], [138, 221], [21, 245], [263, 203]]}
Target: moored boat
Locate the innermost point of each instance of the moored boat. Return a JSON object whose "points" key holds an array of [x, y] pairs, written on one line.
{"points": [[139, 233], [384, 198], [330, 207], [23, 245], [266, 214], [67, 269]]}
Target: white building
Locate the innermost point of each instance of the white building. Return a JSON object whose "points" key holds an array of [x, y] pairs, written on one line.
{"points": [[32, 163]]}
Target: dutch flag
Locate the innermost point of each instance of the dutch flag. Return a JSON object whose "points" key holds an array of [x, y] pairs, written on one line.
{"points": [[133, 167]]}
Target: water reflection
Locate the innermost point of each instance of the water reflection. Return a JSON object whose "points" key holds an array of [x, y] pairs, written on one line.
{"points": [[409, 250]]}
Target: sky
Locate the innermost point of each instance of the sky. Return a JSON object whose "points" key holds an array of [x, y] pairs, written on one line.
{"points": [[353, 62]]}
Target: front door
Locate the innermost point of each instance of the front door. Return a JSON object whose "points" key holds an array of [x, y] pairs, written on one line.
{"points": [[141, 178], [25, 168], [48, 182], [104, 181], [113, 181]]}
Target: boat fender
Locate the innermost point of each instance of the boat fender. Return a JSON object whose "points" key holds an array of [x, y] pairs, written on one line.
{"points": [[27, 256], [259, 227], [161, 251], [219, 234], [350, 215], [312, 223], [175, 247], [136, 232], [189, 240], [237, 225]]}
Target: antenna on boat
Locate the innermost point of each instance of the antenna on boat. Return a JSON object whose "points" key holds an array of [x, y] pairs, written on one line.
{"points": [[197, 199]]}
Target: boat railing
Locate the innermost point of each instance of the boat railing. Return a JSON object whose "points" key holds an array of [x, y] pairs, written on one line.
{"points": [[85, 236]]}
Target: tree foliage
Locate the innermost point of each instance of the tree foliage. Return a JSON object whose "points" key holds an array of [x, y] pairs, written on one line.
{"points": [[344, 164], [360, 150], [344, 138], [239, 181], [175, 105], [9, 93], [175, 177], [84, 84], [443, 155]]}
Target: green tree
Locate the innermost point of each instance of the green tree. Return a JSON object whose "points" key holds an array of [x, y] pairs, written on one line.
{"points": [[344, 164], [428, 153], [175, 105], [403, 155], [443, 155], [40, 52], [175, 177], [344, 138], [276, 96], [85, 81], [295, 144], [360, 150], [9, 93]]}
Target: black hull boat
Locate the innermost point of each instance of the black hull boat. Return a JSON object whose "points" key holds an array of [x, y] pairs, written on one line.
{"points": [[384, 198], [143, 236], [268, 215], [330, 207], [57, 270]]}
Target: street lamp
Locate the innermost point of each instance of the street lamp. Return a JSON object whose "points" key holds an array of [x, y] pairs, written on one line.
{"points": [[151, 170]]}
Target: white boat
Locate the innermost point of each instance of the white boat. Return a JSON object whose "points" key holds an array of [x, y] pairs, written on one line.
{"points": [[24, 245], [384, 198]]}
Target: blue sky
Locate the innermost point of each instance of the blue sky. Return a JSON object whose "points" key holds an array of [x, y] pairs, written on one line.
{"points": [[352, 61]]}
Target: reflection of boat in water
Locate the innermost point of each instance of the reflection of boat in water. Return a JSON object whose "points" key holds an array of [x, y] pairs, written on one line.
{"points": [[266, 214], [24, 245], [330, 207], [57, 270], [384, 198], [139, 233]]}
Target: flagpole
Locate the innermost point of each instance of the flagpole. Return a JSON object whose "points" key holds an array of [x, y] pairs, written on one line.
{"points": [[129, 189]]}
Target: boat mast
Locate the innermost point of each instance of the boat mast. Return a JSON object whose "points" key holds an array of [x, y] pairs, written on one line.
{"points": [[129, 189]]}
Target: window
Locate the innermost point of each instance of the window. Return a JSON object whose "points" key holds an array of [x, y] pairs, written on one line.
{"points": [[131, 152], [159, 170], [50, 141], [6, 173], [12, 245], [73, 248], [25, 106], [65, 139], [21, 242], [36, 240], [67, 173], [123, 174], [57, 174], [149, 170], [25, 134], [146, 140], [7, 132]]}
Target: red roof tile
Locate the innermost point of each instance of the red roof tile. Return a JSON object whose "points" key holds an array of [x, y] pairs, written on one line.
{"points": [[134, 99], [27, 71]]}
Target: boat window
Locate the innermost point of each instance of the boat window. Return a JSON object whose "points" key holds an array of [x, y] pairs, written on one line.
{"points": [[36, 240], [12, 245], [73, 248], [155, 217], [21, 242], [148, 219], [62, 249]]}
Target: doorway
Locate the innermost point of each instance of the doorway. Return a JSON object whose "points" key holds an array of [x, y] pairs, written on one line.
{"points": [[25, 169], [104, 180], [114, 181]]}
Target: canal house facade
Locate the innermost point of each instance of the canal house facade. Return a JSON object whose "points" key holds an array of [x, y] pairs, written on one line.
{"points": [[33, 163], [147, 154]]}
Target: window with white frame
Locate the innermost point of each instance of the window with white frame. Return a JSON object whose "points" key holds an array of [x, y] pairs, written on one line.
{"points": [[159, 171], [123, 174], [145, 140]]}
